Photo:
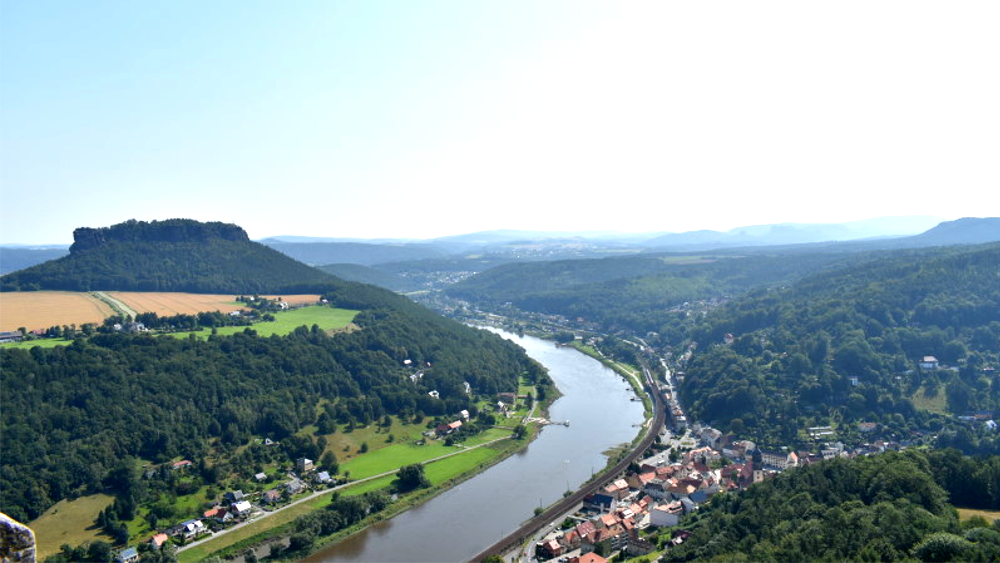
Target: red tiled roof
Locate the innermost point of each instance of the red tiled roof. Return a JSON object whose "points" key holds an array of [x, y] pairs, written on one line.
{"points": [[160, 539], [592, 558]]}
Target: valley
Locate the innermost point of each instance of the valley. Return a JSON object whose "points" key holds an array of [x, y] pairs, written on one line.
{"points": [[332, 394]]}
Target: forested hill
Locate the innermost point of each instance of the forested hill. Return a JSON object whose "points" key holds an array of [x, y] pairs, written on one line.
{"points": [[844, 346], [72, 414], [638, 293], [171, 255], [889, 507]]}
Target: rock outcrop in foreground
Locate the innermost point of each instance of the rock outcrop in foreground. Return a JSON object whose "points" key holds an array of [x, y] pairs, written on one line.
{"points": [[17, 541]]}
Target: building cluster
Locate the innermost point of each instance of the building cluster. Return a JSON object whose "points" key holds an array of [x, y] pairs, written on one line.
{"points": [[616, 518], [236, 506]]}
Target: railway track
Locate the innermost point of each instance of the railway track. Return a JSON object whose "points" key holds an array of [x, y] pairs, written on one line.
{"points": [[529, 528]]}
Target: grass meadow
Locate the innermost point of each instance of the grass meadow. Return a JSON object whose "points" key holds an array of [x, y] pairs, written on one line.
{"points": [[69, 522], [327, 318]]}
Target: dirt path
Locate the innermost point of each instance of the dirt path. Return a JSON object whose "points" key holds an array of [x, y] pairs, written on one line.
{"points": [[119, 306]]}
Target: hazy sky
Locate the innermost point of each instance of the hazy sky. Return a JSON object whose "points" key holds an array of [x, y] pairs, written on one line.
{"points": [[425, 118]]}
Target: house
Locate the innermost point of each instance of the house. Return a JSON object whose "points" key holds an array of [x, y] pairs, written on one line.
{"points": [[158, 540], [271, 497], [637, 546], [294, 487], [323, 477], [929, 362], [607, 521], [434, 394], [129, 555], [588, 558], [711, 437], [639, 480], [601, 502], [618, 488], [242, 508], [666, 515], [304, 464], [260, 477], [10, 336], [585, 529], [464, 414], [219, 514], [445, 429], [233, 497], [776, 459], [867, 427], [657, 488], [190, 529], [606, 540], [182, 464], [570, 540], [548, 549]]}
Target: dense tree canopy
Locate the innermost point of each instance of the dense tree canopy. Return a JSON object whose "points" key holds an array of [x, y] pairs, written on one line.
{"points": [[846, 346], [71, 413], [881, 508]]}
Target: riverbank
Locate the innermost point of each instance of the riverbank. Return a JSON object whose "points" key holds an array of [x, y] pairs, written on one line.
{"points": [[444, 473], [461, 521]]}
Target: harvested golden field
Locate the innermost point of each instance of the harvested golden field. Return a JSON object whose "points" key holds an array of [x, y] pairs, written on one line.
{"points": [[43, 309], [168, 303]]}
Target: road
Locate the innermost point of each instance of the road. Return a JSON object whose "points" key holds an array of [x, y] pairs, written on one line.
{"points": [[329, 491]]}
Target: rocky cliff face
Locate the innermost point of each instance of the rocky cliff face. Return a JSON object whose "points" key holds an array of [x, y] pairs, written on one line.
{"points": [[17, 541], [171, 230]]}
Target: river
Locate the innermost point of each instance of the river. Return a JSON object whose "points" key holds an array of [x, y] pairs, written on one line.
{"points": [[461, 522]]}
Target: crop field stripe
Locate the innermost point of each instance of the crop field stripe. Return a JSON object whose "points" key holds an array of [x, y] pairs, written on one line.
{"points": [[42, 309]]}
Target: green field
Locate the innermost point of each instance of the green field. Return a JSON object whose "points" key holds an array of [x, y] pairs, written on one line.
{"points": [[70, 522], [327, 318], [397, 455], [41, 343], [937, 404], [437, 472]]}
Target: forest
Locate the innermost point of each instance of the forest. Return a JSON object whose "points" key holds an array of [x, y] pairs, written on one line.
{"points": [[172, 255], [72, 413], [845, 346], [888, 507]]}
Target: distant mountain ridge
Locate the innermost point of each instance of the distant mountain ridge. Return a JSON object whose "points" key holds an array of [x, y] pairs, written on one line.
{"points": [[170, 255], [14, 258], [793, 233]]}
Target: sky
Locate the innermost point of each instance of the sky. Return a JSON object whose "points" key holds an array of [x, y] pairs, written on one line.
{"points": [[429, 118]]}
